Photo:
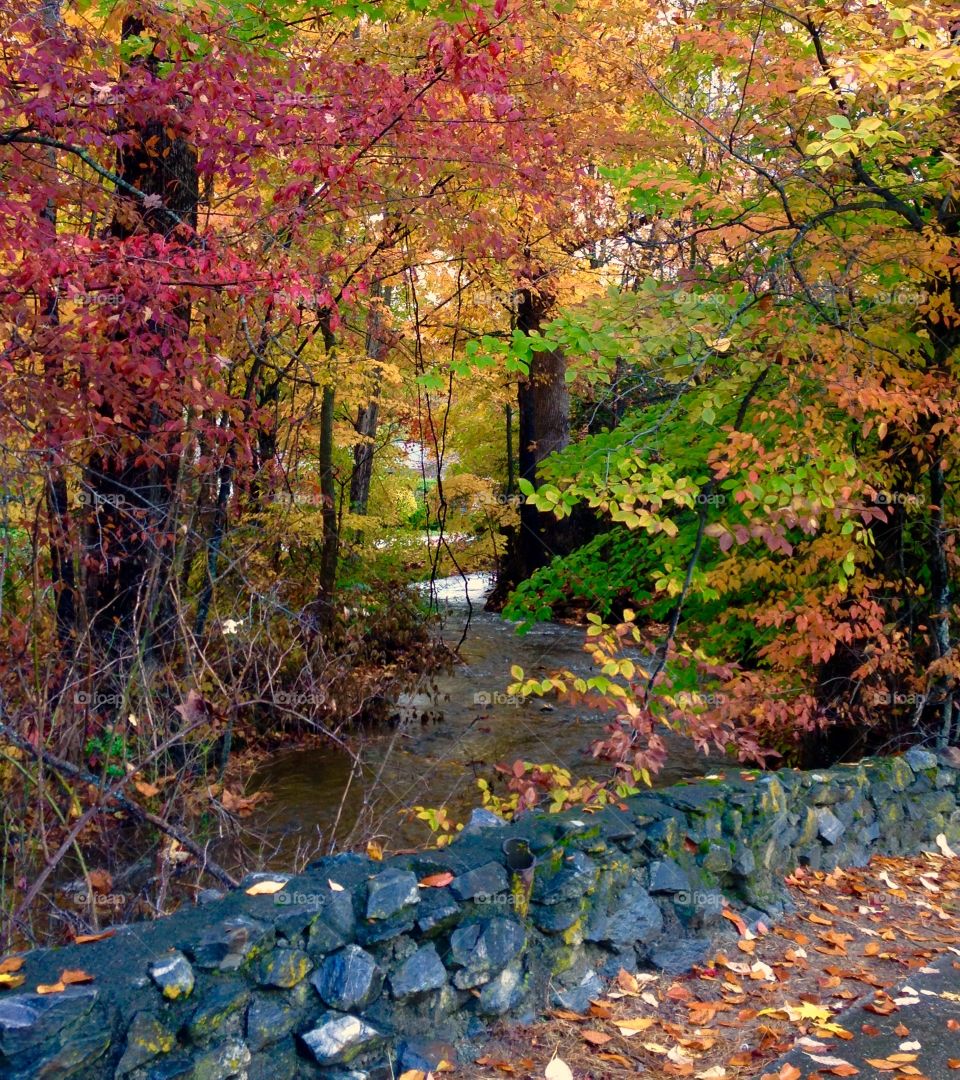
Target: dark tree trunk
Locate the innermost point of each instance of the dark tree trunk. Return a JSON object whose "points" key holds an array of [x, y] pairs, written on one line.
{"points": [[368, 415], [330, 551], [131, 497]]}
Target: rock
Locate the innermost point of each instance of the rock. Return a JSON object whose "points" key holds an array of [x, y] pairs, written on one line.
{"points": [[575, 875], [488, 880], [554, 918], [666, 877], [219, 1012], [437, 911], [78, 1055], [391, 892], [222, 1062], [920, 760], [744, 862], [339, 1038], [503, 992], [718, 859], [425, 1057], [174, 975], [147, 1039], [29, 1020], [268, 1020], [829, 827], [481, 819], [682, 956], [226, 946], [349, 980], [577, 998], [419, 973], [635, 919], [483, 949], [284, 968], [336, 925]]}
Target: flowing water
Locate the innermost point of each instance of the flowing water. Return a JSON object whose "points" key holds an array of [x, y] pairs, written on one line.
{"points": [[451, 730]]}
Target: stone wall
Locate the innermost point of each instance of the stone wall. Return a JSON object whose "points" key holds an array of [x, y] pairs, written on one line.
{"points": [[361, 969]]}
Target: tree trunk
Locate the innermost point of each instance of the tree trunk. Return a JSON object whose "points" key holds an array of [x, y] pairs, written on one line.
{"points": [[543, 411], [330, 550], [130, 499], [368, 415]]}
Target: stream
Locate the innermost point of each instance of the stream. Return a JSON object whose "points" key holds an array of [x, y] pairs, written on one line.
{"points": [[451, 730]]}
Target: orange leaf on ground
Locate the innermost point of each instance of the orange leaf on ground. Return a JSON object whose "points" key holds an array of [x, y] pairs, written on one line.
{"points": [[595, 1038], [436, 881], [85, 939]]}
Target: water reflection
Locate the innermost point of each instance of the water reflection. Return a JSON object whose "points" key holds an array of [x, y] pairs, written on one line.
{"points": [[450, 731]]}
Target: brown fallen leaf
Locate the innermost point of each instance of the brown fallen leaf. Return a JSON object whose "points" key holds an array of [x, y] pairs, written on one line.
{"points": [[436, 881], [595, 1038], [51, 988], [86, 939], [10, 965], [71, 977]]}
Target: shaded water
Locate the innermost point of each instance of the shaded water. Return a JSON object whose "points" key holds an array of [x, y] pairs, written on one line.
{"points": [[452, 730]]}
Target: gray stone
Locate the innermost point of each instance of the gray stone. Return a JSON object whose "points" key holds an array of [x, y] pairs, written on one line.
{"points": [[338, 1038], [503, 992], [920, 760], [226, 946], [390, 892], [718, 859], [437, 911], [28, 1020], [636, 919], [666, 877], [483, 949], [77, 1056], [336, 925], [487, 880], [577, 998], [147, 1038], [348, 980], [681, 956], [284, 968], [219, 1012], [174, 975], [829, 827], [555, 918], [222, 1062], [269, 1019], [744, 862], [419, 973], [575, 875]]}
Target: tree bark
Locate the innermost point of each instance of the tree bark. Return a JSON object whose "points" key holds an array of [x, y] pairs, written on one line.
{"points": [[130, 498], [368, 416]]}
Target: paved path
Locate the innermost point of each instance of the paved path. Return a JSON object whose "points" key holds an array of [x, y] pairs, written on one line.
{"points": [[927, 1002]]}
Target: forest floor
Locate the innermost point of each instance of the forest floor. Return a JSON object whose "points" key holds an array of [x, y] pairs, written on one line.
{"points": [[859, 951]]}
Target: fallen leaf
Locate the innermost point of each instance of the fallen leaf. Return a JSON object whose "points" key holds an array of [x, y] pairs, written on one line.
{"points": [[436, 881], [595, 1038], [11, 964], [558, 1069], [69, 977], [9, 981], [945, 847], [265, 888], [51, 988], [86, 939]]}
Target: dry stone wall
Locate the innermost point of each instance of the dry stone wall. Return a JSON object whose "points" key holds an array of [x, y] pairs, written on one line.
{"points": [[356, 970]]}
